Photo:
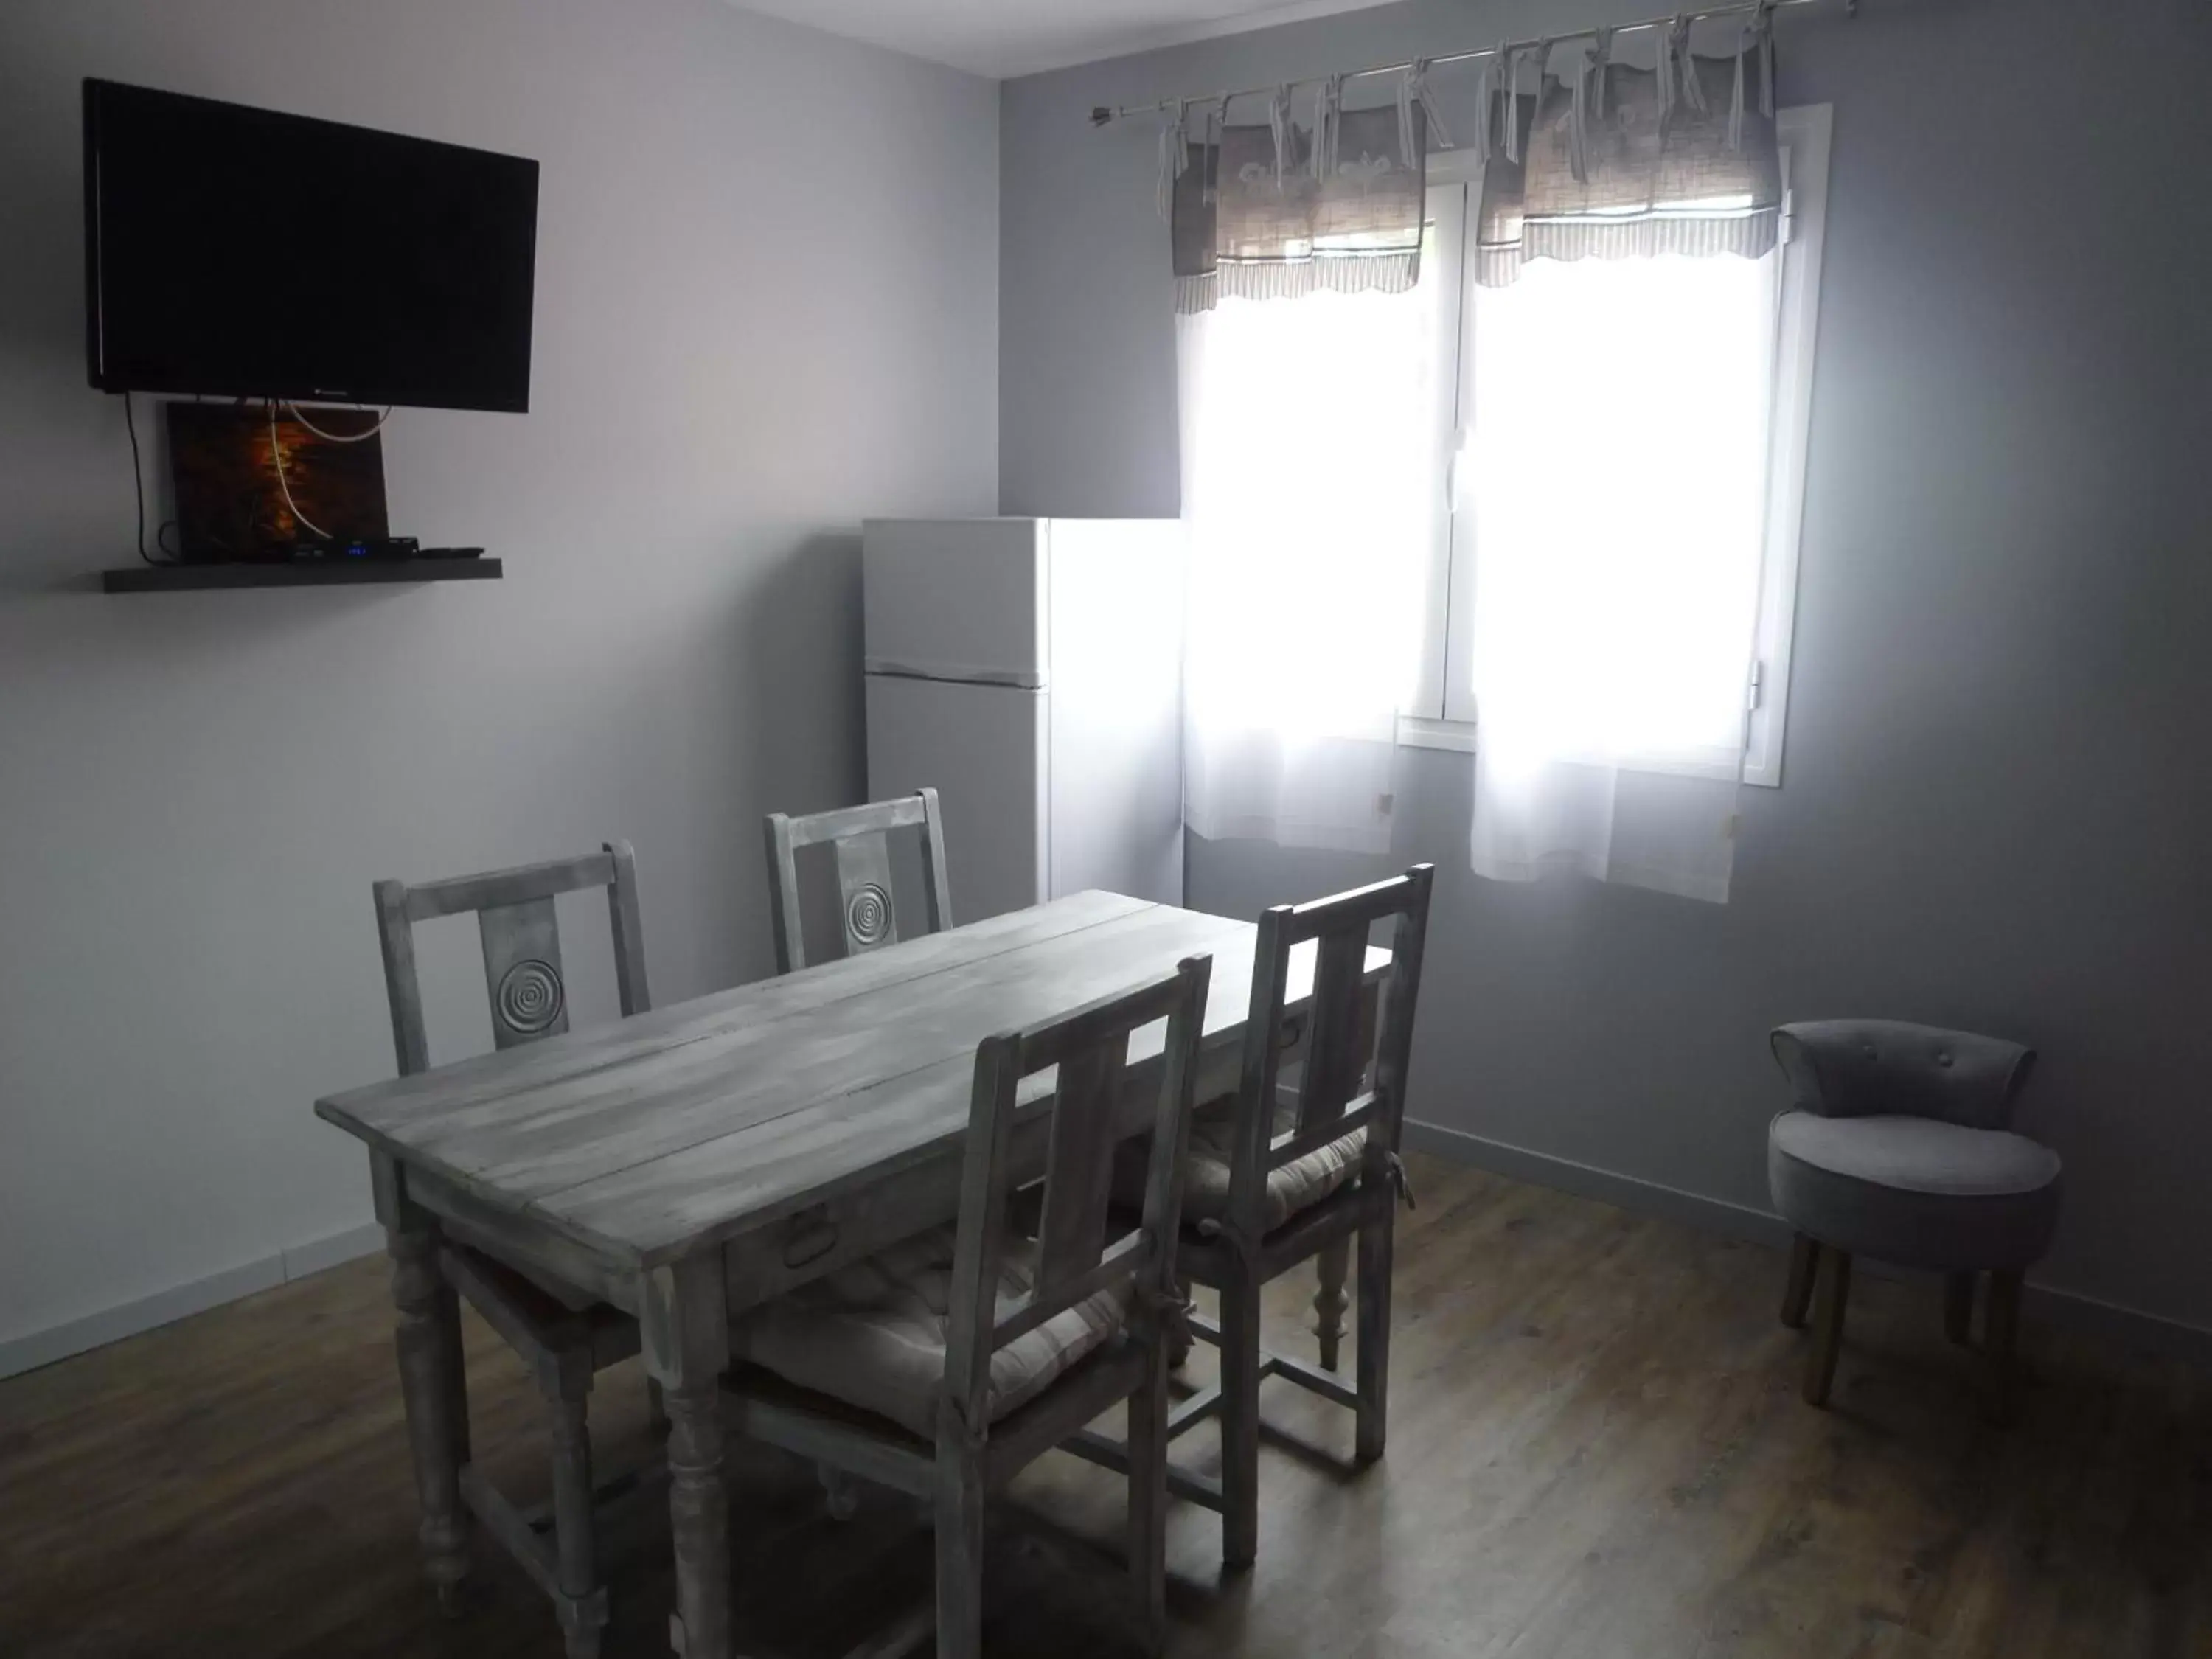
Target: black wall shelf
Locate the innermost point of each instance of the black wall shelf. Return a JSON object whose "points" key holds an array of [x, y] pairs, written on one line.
{"points": [[346, 573]]}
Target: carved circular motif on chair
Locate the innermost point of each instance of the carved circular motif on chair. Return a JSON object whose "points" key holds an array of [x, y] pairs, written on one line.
{"points": [[868, 914], [530, 997]]}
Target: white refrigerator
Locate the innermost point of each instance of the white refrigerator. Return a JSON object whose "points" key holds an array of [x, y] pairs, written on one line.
{"points": [[1031, 670]]}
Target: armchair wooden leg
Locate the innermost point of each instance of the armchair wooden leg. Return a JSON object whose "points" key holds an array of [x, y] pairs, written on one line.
{"points": [[2001, 1338], [1958, 1308], [1797, 1294], [1239, 1421], [1832, 1291], [1331, 1267]]}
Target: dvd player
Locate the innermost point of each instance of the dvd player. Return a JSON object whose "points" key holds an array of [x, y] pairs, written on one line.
{"points": [[349, 547]]}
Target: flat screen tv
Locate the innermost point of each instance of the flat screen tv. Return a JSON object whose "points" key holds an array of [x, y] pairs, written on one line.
{"points": [[241, 253]]}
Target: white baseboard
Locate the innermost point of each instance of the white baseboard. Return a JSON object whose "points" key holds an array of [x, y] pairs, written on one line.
{"points": [[42, 1348], [2105, 1320], [330, 1250], [1710, 1215]]}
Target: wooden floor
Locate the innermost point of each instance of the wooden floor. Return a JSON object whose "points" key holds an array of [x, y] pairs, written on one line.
{"points": [[1596, 1449]]}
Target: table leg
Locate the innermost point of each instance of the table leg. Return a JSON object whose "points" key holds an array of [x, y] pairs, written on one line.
{"points": [[686, 1338], [431, 1383]]}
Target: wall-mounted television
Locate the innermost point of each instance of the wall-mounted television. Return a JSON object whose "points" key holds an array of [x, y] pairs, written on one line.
{"points": [[241, 253]]}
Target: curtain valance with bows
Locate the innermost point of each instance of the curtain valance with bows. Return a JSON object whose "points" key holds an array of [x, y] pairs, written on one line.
{"points": [[1279, 210], [1617, 162]]}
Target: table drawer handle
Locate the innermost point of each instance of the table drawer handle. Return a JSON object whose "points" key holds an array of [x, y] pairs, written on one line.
{"points": [[809, 1236]]}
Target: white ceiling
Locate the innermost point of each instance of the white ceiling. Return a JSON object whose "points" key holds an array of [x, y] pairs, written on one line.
{"points": [[1003, 38]]}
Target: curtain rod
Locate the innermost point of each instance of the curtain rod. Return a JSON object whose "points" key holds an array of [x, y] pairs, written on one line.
{"points": [[1102, 113]]}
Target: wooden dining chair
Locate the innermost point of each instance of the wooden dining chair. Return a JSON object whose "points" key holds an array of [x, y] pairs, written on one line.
{"points": [[562, 1334], [945, 1364], [1288, 1174], [860, 836]]}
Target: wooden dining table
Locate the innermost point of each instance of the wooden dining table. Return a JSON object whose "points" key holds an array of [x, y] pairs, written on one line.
{"points": [[688, 1164]]}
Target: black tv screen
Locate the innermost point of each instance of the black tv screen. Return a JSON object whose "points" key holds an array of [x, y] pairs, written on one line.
{"points": [[237, 251]]}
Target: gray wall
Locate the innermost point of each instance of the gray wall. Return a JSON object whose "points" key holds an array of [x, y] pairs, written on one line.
{"points": [[1995, 808], [766, 306]]}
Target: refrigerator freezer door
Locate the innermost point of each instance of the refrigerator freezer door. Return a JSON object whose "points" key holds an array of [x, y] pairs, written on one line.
{"points": [[983, 749], [955, 599]]}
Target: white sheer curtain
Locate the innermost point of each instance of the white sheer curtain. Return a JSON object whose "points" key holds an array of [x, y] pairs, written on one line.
{"points": [[1310, 490], [1622, 332], [1619, 455], [1613, 476]]}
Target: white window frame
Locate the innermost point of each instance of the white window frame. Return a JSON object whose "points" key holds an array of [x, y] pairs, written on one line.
{"points": [[1443, 716]]}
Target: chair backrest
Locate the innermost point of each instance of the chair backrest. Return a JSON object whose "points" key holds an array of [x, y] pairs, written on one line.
{"points": [[861, 838], [1075, 1258], [1336, 1093], [521, 945], [1866, 1067]]}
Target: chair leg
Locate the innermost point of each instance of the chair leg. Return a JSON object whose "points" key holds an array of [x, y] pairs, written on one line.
{"points": [[959, 1552], [2001, 1338], [1377, 1241], [1331, 1267], [656, 1410], [1797, 1294], [1179, 1336], [1148, 1496], [582, 1607], [1958, 1308], [841, 1493], [1834, 1288], [1240, 1420]]}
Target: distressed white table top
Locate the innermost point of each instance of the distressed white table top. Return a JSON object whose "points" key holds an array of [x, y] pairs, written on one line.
{"points": [[654, 1136]]}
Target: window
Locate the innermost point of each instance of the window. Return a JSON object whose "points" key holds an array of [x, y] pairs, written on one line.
{"points": [[1636, 425], [1350, 385]]}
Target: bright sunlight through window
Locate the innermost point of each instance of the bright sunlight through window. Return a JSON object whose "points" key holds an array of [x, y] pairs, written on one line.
{"points": [[1312, 461], [1616, 477], [1560, 515]]}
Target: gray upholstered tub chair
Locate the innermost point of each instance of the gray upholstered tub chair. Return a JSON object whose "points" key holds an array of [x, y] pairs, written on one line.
{"points": [[1896, 1147]]}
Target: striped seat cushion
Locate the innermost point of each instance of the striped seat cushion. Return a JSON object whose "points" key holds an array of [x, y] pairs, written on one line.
{"points": [[1298, 1186], [873, 1334]]}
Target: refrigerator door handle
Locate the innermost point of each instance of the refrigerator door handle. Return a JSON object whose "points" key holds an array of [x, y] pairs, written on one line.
{"points": [[965, 673]]}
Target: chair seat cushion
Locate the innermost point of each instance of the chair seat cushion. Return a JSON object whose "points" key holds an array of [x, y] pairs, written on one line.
{"points": [[1298, 1185], [1915, 1191], [873, 1334]]}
